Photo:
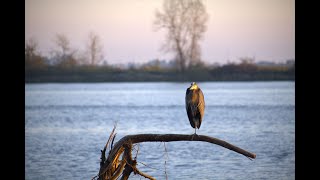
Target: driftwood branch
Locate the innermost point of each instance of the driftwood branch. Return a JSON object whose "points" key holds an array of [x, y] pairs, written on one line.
{"points": [[111, 167]]}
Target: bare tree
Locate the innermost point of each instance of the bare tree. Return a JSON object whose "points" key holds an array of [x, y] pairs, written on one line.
{"points": [[197, 24], [63, 43], [33, 59], [94, 48], [64, 54], [185, 22], [30, 47]]}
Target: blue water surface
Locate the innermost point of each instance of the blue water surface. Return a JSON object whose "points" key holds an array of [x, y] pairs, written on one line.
{"points": [[66, 126]]}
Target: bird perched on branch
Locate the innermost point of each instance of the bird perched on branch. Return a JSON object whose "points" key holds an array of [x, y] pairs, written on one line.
{"points": [[195, 105]]}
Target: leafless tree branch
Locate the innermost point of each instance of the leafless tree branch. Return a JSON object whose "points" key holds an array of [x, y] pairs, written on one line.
{"points": [[111, 166]]}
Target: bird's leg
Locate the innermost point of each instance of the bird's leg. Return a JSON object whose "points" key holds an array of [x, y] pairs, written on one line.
{"points": [[195, 133]]}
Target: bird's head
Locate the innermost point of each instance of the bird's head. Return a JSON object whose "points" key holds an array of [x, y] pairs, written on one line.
{"points": [[193, 86]]}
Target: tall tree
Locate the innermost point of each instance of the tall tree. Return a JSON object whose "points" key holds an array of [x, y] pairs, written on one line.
{"points": [[94, 48], [185, 23]]}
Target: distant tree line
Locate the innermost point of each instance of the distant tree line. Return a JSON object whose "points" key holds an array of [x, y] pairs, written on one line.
{"points": [[67, 66]]}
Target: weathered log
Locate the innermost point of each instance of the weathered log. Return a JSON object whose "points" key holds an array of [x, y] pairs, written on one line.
{"points": [[124, 145]]}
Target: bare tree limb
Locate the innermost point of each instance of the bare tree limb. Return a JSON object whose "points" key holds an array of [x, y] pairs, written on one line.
{"points": [[130, 163], [118, 170], [138, 138], [111, 167], [144, 175]]}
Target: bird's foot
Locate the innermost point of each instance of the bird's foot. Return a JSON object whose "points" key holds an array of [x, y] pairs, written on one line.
{"points": [[195, 134]]}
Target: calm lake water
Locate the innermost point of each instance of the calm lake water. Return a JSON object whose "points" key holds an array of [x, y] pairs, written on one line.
{"points": [[66, 126]]}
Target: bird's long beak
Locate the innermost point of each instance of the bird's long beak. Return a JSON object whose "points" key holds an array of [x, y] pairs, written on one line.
{"points": [[194, 86]]}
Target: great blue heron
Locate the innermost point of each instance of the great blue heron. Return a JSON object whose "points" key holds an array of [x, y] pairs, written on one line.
{"points": [[195, 105]]}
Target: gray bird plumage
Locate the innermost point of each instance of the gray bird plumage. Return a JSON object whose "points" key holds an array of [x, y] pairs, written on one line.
{"points": [[195, 105]]}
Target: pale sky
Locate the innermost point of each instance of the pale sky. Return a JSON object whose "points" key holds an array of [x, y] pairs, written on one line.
{"points": [[264, 29]]}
